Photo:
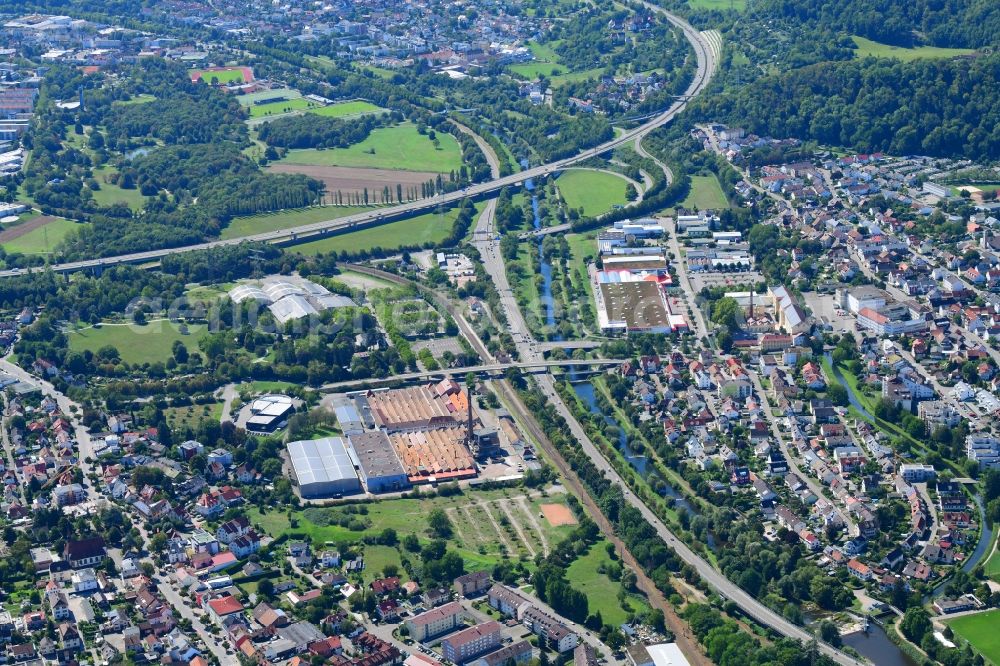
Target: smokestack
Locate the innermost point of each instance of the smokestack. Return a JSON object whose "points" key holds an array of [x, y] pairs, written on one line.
{"points": [[469, 433]]}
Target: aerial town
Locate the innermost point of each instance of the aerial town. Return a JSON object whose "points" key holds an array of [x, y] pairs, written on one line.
{"points": [[494, 333]]}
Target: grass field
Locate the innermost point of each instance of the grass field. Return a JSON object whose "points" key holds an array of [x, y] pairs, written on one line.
{"points": [[405, 516], [344, 109], [43, 239], [110, 194], [980, 630], [136, 344], [430, 227], [596, 192], [258, 224], [738, 5], [985, 187], [280, 107], [250, 98], [866, 47], [192, 415], [602, 592], [399, 147], [223, 76], [706, 194], [992, 566], [138, 99]]}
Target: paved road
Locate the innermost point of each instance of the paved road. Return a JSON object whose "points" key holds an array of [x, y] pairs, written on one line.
{"points": [[700, 326], [707, 61], [498, 368], [790, 457]]}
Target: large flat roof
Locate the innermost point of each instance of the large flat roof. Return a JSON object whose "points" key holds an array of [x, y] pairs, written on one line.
{"points": [[376, 455], [321, 460], [639, 305]]}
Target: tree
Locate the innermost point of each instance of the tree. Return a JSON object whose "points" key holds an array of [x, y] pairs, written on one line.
{"points": [[439, 524], [837, 394], [829, 633], [265, 588], [726, 312], [915, 624]]}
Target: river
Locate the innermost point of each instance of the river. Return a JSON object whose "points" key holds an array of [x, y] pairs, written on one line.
{"points": [[586, 391], [877, 647]]}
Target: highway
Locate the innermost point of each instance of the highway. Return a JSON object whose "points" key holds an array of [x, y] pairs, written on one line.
{"points": [[707, 62]]}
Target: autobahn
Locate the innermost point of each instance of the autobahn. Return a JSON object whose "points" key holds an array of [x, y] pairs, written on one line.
{"points": [[707, 61]]}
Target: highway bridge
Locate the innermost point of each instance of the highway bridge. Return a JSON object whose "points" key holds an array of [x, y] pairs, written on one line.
{"points": [[702, 76]]}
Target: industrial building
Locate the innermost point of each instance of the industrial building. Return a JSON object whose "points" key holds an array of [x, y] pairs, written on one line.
{"points": [[639, 306], [290, 298], [269, 412], [413, 408], [376, 460], [323, 467], [434, 455]]}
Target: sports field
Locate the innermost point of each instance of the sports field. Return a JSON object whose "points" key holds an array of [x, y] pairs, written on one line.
{"points": [[136, 344], [279, 107], [250, 98], [223, 75], [397, 147], [259, 224], [427, 228], [980, 630], [595, 191], [40, 235], [866, 47], [706, 194]]}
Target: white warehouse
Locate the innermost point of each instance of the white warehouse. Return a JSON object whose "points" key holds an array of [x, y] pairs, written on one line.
{"points": [[323, 467]]}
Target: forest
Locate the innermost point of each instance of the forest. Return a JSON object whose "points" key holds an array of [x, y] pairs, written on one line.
{"points": [[313, 131], [951, 23], [943, 108]]}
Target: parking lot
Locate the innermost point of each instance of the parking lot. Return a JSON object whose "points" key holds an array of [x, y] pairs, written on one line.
{"points": [[825, 310], [735, 280]]}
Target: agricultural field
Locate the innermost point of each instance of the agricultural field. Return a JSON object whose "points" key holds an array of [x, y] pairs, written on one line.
{"points": [[427, 228], [349, 183], [190, 416], [706, 194], [398, 147], [223, 75], [589, 574], [37, 235], [594, 191], [150, 343], [980, 630], [866, 48], [285, 219]]}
